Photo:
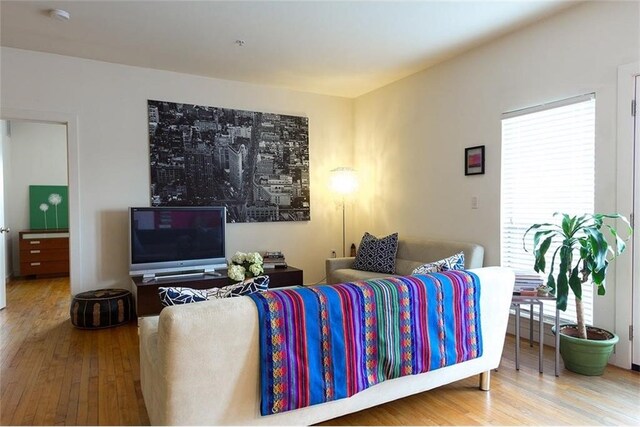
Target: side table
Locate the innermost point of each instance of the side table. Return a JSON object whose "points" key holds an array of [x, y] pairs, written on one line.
{"points": [[517, 301]]}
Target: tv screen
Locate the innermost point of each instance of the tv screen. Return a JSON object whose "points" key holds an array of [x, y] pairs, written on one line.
{"points": [[172, 239]]}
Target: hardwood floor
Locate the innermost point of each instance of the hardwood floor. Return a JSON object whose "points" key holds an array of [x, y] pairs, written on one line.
{"points": [[54, 374], [523, 397]]}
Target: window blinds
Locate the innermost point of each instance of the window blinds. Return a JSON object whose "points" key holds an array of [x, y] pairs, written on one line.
{"points": [[547, 166]]}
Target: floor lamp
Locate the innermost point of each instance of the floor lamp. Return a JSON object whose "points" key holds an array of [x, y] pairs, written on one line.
{"points": [[343, 182]]}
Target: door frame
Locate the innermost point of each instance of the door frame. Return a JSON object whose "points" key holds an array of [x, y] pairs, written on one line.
{"points": [[624, 289], [635, 263], [73, 167]]}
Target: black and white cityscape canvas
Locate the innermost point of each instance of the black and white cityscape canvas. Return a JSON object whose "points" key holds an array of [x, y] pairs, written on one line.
{"points": [[256, 164]]}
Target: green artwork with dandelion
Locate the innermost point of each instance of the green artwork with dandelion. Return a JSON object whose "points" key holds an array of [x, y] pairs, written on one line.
{"points": [[48, 207]]}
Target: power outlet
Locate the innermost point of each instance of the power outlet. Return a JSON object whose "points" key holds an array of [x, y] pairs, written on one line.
{"points": [[333, 253]]}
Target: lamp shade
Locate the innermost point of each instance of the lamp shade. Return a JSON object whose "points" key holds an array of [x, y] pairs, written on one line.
{"points": [[344, 181]]}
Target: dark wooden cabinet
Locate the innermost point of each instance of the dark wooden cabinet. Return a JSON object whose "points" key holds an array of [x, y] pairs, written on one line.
{"points": [[44, 252], [148, 300]]}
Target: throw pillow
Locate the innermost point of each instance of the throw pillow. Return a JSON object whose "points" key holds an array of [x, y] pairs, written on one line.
{"points": [[377, 254], [454, 262], [249, 286], [176, 295], [430, 267]]}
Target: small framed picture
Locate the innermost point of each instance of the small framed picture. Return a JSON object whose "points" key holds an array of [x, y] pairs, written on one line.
{"points": [[474, 160]]}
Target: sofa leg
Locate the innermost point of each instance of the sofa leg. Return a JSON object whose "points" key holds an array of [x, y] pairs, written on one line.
{"points": [[485, 381]]}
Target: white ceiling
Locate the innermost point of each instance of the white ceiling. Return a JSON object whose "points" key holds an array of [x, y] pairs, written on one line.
{"points": [[343, 48]]}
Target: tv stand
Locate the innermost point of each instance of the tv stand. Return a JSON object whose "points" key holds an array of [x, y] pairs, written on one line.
{"points": [[145, 290]]}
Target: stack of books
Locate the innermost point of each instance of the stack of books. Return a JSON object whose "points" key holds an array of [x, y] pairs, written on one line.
{"points": [[274, 259], [527, 283]]}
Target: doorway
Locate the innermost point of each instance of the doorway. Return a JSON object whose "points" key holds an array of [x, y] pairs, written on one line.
{"points": [[35, 161]]}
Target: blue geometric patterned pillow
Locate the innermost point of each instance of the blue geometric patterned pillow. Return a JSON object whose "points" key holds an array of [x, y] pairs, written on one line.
{"points": [[454, 262], [429, 267], [377, 255], [176, 295]]}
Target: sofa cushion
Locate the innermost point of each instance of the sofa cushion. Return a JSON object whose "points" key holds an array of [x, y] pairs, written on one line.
{"points": [[405, 267], [454, 262], [377, 254]]}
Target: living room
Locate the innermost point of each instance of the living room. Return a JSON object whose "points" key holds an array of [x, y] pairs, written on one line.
{"points": [[405, 137]]}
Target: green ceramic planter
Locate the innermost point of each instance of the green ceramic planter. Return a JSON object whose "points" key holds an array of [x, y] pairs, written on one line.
{"points": [[586, 357]]}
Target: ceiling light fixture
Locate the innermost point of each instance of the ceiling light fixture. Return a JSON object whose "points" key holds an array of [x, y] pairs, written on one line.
{"points": [[240, 42], [59, 14]]}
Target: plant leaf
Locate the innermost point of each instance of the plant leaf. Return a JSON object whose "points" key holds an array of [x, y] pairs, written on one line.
{"points": [[567, 224], [540, 254], [553, 261], [601, 289], [599, 276], [575, 283], [551, 283], [620, 244], [582, 220], [598, 246], [534, 227], [563, 282]]}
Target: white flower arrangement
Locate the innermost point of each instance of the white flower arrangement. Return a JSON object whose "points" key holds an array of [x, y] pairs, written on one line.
{"points": [[254, 258], [245, 265], [236, 272], [239, 258]]}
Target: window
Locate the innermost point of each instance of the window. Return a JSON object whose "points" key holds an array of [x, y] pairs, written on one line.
{"points": [[547, 166]]}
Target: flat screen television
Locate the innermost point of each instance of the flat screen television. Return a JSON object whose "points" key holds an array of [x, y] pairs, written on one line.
{"points": [[181, 240]]}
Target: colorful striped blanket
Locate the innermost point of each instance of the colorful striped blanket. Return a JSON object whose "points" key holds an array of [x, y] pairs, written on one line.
{"points": [[328, 342]]}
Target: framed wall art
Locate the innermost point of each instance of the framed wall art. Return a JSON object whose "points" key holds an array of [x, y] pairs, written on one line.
{"points": [[474, 160], [256, 164], [48, 207]]}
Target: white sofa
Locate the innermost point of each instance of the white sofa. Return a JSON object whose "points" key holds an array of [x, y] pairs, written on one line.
{"points": [[199, 362], [411, 254]]}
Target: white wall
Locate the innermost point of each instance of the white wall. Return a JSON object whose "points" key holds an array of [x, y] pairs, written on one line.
{"points": [[410, 136], [108, 104], [37, 156]]}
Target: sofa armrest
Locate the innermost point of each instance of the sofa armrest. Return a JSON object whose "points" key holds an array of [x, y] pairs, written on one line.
{"points": [[333, 264]]}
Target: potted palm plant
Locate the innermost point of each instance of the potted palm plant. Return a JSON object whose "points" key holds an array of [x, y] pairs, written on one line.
{"points": [[582, 255]]}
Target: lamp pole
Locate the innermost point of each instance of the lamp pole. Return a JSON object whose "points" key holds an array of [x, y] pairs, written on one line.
{"points": [[343, 182], [344, 253]]}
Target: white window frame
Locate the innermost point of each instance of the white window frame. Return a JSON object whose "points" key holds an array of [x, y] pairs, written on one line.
{"points": [[522, 154]]}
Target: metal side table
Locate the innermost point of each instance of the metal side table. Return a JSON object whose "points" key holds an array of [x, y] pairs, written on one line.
{"points": [[516, 302]]}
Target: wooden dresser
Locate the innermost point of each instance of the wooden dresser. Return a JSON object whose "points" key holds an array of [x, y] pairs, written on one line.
{"points": [[44, 252]]}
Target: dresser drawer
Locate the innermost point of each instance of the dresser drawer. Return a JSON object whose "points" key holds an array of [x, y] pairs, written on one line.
{"points": [[43, 267], [47, 243], [44, 254]]}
